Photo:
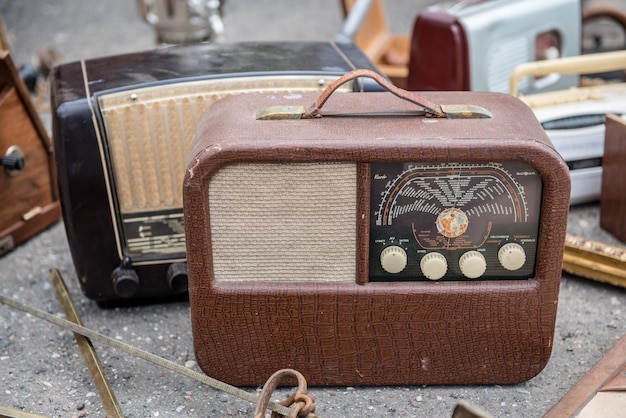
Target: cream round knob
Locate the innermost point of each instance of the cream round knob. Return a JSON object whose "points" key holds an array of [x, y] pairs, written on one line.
{"points": [[512, 256], [393, 259], [434, 266], [472, 264]]}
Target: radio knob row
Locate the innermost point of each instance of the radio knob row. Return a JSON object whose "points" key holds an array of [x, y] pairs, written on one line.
{"points": [[126, 281], [434, 266]]}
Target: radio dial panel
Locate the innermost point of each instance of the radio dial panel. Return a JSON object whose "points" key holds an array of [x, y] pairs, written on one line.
{"points": [[454, 221]]}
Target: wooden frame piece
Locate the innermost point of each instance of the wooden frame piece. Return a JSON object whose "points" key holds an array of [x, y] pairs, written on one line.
{"points": [[594, 260], [600, 392]]}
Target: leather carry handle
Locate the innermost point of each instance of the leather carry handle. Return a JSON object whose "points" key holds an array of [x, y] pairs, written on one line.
{"points": [[430, 109]]}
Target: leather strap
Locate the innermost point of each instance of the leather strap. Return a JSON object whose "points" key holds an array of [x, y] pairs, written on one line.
{"points": [[427, 108], [431, 109]]}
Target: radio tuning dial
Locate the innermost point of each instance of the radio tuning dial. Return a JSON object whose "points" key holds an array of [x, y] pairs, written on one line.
{"points": [[393, 259], [512, 256], [472, 264], [434, 266]]}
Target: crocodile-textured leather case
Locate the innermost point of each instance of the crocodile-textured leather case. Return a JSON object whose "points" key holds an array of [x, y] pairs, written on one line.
{"points": [[365, 247]]}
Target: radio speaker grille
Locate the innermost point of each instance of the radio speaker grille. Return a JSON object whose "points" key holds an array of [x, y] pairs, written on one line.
{"points": [[149, 132], [284, 222], [503, 57]]}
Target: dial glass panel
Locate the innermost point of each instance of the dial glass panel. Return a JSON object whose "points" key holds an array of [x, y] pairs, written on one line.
{"points": [[462, 214]]}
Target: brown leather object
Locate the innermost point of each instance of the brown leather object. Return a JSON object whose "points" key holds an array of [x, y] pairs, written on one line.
{"points": [[357, 332], [29, 196], [612, 196]]}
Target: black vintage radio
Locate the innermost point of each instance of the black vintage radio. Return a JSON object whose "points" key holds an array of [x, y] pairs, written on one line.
{"points": [[123, 128]]}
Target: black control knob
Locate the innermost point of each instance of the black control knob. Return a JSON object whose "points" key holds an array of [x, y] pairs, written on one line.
{"points": [[125, 280], [13, 161], [177, 277]]}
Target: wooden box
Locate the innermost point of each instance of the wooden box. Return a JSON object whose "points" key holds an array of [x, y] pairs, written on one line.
{"points": [[27, 187], [613, 192]]}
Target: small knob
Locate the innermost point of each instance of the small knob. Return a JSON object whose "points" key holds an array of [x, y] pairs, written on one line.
{"points": [[393, 259], [472, 264], [512, 256], [434, 266], [125, 280], [177, 277], [13, 161]]}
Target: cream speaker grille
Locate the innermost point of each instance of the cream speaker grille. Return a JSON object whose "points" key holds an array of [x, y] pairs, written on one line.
{"points": [[150, 130], [284, 222]]}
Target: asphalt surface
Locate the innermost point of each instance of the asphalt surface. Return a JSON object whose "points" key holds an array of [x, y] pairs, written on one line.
{"points": [[41, 370]]}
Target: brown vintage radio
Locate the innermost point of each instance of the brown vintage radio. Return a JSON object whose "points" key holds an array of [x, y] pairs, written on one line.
{"points": [[123, 127], [29, 195], [374, 241]]}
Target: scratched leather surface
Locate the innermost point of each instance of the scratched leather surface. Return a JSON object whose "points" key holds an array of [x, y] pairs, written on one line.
{"points": [[361, 333]]}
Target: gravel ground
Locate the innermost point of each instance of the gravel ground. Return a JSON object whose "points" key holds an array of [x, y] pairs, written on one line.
{"points": [[41, 369]]}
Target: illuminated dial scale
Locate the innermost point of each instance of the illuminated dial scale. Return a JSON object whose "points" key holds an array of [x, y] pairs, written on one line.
{"points": [[453, 221]]}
